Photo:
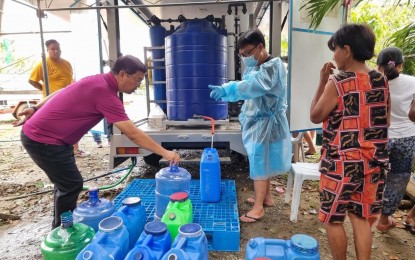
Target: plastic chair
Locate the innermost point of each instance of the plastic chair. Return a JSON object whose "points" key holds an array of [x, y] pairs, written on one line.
{"points": [[299, 172], [297, 143]]}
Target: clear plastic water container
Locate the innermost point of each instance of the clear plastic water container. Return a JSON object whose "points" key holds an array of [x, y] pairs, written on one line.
{"points": [[111, 241], [152, 244], [190, 244], [210, 176], [65, 242], [169, 180], [94, 210], [300, 246], [133, 215]]}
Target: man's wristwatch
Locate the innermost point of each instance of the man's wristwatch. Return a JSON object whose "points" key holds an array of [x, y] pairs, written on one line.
{"points": [[34, 108]]}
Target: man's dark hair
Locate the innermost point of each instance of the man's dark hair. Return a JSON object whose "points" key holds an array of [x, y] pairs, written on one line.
{"points": [[251, 37], [49, 42], [359, 37], [128, 63]]}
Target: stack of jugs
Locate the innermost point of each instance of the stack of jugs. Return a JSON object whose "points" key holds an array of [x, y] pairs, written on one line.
{"points": [[66, 241], [152, 244], [178, 212], [190, 244], [300, 246], [210, 176], [94, 210], [133, 215], [109, 243], [169, 180]]}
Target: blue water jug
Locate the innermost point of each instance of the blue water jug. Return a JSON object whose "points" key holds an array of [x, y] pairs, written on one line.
{"points": [[94, 210], [152, 244], [169, 180], [210, 176], [190, 244], [111, 241], [133, 215], [300, 246]]}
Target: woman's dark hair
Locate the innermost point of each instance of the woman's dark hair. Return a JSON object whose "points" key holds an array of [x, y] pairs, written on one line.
{"points": [[251, 37], [359, 37], [128, 63], [388, 59]]}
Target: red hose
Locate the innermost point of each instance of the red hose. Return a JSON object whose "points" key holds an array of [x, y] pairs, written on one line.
{"points": [[213, 123]]}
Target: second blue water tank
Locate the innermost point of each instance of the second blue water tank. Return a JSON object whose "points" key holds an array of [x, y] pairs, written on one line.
{"points": [[196, 56], [157, 34]]}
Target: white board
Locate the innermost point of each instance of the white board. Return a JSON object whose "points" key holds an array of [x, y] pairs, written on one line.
{"points": [[307, 53]]}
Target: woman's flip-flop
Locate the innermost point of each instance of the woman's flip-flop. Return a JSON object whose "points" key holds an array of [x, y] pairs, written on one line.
{"points": [[251, 202], [248, 219], [406, 223]]}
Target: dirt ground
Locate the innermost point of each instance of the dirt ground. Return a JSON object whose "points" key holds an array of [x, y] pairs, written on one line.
{"points": [[20, 239]]}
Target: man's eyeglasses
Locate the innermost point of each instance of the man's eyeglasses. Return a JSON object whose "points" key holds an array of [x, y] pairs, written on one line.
{"points": [[138, 81], [241, 55]]}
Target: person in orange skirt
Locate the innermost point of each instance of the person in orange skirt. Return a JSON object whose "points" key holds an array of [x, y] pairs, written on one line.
{"points": [[354, 108]]}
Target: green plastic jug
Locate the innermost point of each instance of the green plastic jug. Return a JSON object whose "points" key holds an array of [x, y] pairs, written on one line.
{"points": [[178, 212], [65, 242]]}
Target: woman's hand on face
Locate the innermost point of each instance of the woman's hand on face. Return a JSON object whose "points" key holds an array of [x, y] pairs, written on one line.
{"points": [[326, 71]]}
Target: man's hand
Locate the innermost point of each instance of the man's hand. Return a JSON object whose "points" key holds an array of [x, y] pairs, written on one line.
{"points": [[172, 156], [217, 92], [24, 116]]}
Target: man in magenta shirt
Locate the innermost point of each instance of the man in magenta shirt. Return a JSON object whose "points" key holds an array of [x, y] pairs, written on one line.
{"points": [[54, 125]]}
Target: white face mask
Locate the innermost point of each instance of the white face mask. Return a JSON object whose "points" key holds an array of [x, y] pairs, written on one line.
{"points": [[250, 61]]}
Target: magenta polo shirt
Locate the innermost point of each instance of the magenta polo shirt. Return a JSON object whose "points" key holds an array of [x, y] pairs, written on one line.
{"points": [[72, 112]]}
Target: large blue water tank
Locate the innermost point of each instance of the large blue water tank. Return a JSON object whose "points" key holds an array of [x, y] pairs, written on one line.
{"points": [[196, 56], [157, 34]]}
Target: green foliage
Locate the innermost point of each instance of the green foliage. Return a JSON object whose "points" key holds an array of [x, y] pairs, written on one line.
{"points": [[404, 39], [6, 52], [12, 63], [387, 21], [391, 20], [284, 45], [318, 9]]}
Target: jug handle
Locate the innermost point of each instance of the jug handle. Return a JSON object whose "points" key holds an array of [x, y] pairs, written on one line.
{"points": [[181, 242], [174, 168]]}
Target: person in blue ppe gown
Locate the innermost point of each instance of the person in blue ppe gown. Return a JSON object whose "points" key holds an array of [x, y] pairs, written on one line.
{"points": [[265, 131]]}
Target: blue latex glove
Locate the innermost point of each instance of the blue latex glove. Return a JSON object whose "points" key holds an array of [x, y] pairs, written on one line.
{"points": [[217, 92]]}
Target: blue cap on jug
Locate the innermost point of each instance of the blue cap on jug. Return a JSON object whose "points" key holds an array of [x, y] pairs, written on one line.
{"points": [[174, 168], [93, 196]]}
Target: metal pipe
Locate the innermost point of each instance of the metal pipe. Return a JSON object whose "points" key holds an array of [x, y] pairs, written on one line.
{"points": [[101, 66], [32, 32], [157, 5], [271, 22], [144, 11], [40, 14], [27, 5]]}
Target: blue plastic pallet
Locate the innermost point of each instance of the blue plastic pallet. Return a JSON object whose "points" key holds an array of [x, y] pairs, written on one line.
{"points": [[220, 221]]}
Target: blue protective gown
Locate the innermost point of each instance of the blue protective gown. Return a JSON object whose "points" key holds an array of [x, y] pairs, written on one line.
{"points": [[265, 132]]}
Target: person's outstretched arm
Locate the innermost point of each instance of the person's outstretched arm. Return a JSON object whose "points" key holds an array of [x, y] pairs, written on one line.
{"points": [[30, 111], [141, 139], [35, 84]]}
